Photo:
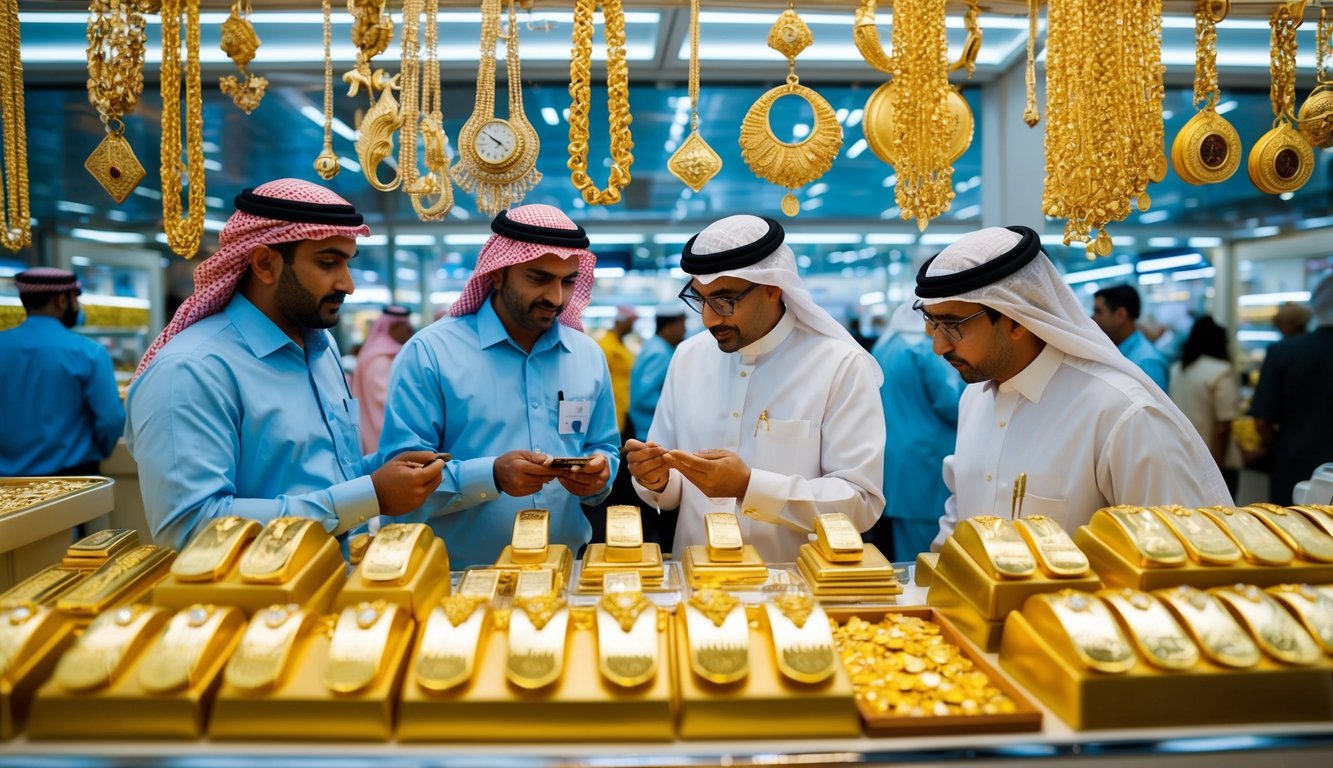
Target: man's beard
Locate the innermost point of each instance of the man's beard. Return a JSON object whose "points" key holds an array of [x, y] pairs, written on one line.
{"points": [[300, 306], [526, 316]]}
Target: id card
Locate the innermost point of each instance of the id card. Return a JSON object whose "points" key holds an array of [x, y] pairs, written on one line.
{"points": [[574, 416]]}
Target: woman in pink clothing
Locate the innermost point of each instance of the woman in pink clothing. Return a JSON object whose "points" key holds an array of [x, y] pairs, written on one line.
{"points": [[370, 380]]}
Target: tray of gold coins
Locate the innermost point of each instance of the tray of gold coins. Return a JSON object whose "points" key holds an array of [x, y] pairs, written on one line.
{"points": [[913, 674], [22, 494]]}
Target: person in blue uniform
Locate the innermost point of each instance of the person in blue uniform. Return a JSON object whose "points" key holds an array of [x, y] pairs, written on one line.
{"points": [[1116, 311]]}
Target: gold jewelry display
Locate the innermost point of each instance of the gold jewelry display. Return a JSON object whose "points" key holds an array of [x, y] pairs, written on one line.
{"points": [[1282, 160], [326, 164], [115, 81], [802, 639], [372, 29], [497, 158], [1104, 114], [1153, 630], [360, 645], [104, 650], [449, 642], [617, 101], [183, 235], [16, 232], [1212, 628], [240, 42], [20, 493], [1207, 149], [694, 162], [192, 640], [266, 649], [1316, 115], [430, 128], [770, 158]]}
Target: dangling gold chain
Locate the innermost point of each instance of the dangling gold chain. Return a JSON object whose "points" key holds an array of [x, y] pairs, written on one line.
{"points": [[1282, 92], [1207, 149], [115, 80], [1282, 160], [921, 109], [1206, 88], [694, 162], [326, 163], [18, 219], [430, 129], [183, 235], [617, 101], [240, 42], [1322, 33], [1031, 115]]}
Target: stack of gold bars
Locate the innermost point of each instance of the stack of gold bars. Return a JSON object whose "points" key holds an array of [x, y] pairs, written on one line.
{"points": [[624, 552], [839, 566], [530, 547], [726, 560]]}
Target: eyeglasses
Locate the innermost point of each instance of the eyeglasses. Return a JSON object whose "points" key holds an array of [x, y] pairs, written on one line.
{"points": [[722, 306], [950, 328]]}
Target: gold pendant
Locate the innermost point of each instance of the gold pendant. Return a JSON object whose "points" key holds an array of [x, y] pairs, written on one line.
{"points": [[1207, 149], [879, 126], [694, 162], [790, 165], [1316, 118], [266, 649], [374, 137], [1280, 161], [115, 167]]}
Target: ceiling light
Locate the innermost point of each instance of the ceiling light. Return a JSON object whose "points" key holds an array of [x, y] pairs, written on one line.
{"points": [[1100, 273]]}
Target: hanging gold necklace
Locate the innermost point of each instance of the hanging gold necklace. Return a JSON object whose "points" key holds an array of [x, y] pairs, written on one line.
{"points": [[372, 29], [1031, 115], [1281, 160], [1316, 115], [617, 101], [497, 159], [183, 235], [694, 162], [1207, 150], [790, 165], [17, 232], [240, 42], [115, 80], [435, 182], [326, 163]]}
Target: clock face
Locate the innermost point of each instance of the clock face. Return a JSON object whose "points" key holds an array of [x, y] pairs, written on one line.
{"points": [[496, 142]]}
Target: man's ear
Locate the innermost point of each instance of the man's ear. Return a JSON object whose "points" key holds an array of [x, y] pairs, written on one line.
{"points": [[265, 264], [1016, 331], [772, 292]]}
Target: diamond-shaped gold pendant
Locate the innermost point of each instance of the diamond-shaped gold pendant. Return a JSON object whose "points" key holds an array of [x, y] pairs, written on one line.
{"points": [[790, 35], [695, 163], [115, 167]]}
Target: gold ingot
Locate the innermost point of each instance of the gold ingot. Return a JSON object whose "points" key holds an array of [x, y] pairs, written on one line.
{"points": [[1207, 150], [116, 579], [534, 583], [1296, 532], [1205, 542], [394, 550], [1086, 622], [624, 534], [359, 649], [42, 587], [1257, 543], [1156, 633], [723, 533], [1280, 161], [264, 656], [106, 648], [1216, 632], [837, 539], [480, 583], [210, 556], [1312, 608], [531, 536], [281, 550], [1319, 514], [103, 544], [879, 128], [996, 546], [192, 639], [1276, 631], [1055, 552], [19, 625], [1139, 536]]}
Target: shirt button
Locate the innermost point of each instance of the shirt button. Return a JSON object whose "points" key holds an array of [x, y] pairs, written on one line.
{"points": [[744, 374], [735, 414], [1001, 425], [534, 405], [485, 495], [988, 479]]}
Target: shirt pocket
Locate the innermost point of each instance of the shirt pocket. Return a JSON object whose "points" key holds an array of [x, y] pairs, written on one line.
{"points": [[1055, 509], [786, 447]]}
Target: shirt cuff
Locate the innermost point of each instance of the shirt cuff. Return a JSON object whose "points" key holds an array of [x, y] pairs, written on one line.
{"points": [[476, 481], [765, 496], [354, 502]]}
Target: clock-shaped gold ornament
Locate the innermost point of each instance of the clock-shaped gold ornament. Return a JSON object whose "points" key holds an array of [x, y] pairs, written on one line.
{"points": [[1282, 160], [790, 165], [694, 162], [1316, 115], [1207, 149]]}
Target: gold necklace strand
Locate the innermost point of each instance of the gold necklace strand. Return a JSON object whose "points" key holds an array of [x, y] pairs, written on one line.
{"points": [[694, 162], [372, 29], [409, 79], [497, 183], [1031, 115], [1207, 149], [1316, 115], [617, 101], [240, 42], [436, 181], [183, 235], [920, 108], [17, 232], [326, 163], [1282, 160], [115, 80], [1282, 92]]}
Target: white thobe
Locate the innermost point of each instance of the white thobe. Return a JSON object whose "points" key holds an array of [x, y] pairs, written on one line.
{"points": [[801, 409], [1087, 436]]}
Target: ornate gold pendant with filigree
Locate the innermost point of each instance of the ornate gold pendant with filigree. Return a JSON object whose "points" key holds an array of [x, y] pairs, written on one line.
{"points": [[115, 167], [695, 163]]}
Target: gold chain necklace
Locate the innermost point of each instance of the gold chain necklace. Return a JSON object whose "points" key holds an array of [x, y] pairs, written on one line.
{"points": [[1282, 160], [326, 163], [770, 158], [240, 42], [115, 80], [435, 182], [497, 159], [1031, 115], [372, 29], [617, 101], [183, 235], [1207, 150], [17, 231], [694, 162], [920, 107], [1316, 115]]}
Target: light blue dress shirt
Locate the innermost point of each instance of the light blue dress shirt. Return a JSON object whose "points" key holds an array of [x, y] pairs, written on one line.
{"points": [[464, 387], [920, 394], [645, 383], [1142, 353], [234, 418], [59, 392]]}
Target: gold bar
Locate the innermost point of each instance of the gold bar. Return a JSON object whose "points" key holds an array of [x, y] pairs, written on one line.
{"points": [[1278, 634], [1313, 608], [1212, 628], [531, 536], [362, 640], [281, 550], [192, 639], [624, 534], [1205, 541], [394, 551], [22, 628], [1319, 514], [627, 634], [837, 539], [1085, 624], [1056, 554], [210, 556], [480, 582], [718, 636], [42, 587], [723, 533], [449, 641], [534, 583], [106, 648], [264, 656], [117, 578], [873, 566], [1139, 536], [103, 544], [802, 638], [1155, 632], [1257, 543], [1296, 532], [538, 630], [996, 546]]}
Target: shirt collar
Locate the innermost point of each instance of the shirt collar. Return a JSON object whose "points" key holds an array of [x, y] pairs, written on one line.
{"points": [[771, 340], [262, 335], [1031, 381], [491, 331], [1132, 341]]}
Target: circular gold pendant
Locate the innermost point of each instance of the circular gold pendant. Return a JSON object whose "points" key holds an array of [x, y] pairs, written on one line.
{"points": [[1102, 245], [1207, 150], [790, 165], [1316, 118], [790, 205], [878, 126], [1280, 161]]}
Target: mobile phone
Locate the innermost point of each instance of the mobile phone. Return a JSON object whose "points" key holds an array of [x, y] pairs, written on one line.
{"points": [[566, 462]]}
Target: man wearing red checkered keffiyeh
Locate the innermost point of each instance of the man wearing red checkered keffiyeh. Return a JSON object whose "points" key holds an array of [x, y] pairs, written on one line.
{"points": [[504, 388], [240, 407]]}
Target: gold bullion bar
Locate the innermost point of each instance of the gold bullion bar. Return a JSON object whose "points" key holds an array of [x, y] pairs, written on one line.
{"points": [[264, 655], [103, 544], [210, 556], [1276, 631], [1296, 532], [42, 587], [723, 532], [449, 641], [534, 583], [1221, 639], [360, 645], [1097, 639], [1320, 515], [1205, 541], [1056, 553], [18, 626], [837, 539], [1257, 543], [996, 546], [281, 549], [391, 554], [872, 566], [624, 534], [1139, 536], [1313, 608], [114, 578], [1155, 632], [480, 582], [102, 653], [531, 536], [192, 639]]}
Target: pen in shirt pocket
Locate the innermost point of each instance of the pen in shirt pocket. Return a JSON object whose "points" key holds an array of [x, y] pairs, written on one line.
{"points": [[762, 421]]}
